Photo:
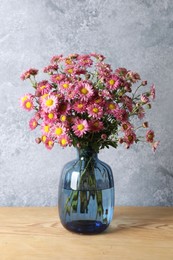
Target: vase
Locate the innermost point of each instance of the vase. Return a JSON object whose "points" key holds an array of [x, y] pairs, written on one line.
{"points": [[86, 194]]}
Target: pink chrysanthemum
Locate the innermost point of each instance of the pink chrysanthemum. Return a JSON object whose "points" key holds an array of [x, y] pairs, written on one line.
{"points": [[56, 59], [153, 91], [150, 136], [84, 60], [128, 102], [65, 86], [144, 99], [43, 87], [126, 126], [113, 82], [58, 130], [79, 107], [50, 69], [49, 143], [28, 104], [57, 78], [111, 108], [133, 76], [80, 127], [95, 111], [49, 117], [49, 103], [33, 123], [46, 128], [129, 138], [27, 74], [64, 140], [84, 90], [95, 126]]}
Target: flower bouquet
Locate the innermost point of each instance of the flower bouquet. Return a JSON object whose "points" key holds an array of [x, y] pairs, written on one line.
{"points": [[87, 104]]}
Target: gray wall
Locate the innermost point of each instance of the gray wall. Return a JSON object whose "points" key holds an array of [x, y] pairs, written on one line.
{"points": [[136, 34]]}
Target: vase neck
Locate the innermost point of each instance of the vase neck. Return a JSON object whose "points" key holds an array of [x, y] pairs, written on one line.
{"points": [[87, 152]]}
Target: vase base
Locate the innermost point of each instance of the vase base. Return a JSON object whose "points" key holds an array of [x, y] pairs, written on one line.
{"points": [[86, 226]]}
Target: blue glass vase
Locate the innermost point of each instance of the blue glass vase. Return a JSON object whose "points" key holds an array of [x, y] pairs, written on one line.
{"points": [[86, 194]]}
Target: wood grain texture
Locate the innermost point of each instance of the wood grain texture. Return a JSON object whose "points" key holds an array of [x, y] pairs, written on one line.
{"points": [[135, 233]]}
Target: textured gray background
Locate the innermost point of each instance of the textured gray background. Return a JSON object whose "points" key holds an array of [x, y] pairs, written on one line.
{"points": [[136, 34]]}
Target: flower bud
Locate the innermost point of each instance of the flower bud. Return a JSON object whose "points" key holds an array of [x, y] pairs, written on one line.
{"points": [[149, 106], [103, 136], [144, 83], [38, 140], [121, 140], [145, 124]]}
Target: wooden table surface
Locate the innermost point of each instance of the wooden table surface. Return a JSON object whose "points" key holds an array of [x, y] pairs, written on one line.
{"points": [[135, 233]]}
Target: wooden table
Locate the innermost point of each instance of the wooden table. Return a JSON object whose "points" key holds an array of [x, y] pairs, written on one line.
{"points": [[135, 233]]}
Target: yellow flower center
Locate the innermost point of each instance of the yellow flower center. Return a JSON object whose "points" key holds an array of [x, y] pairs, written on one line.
{"points": [[28, 104], [80, 105], [58, 78], [63, 118], [112, 106], [42, 87], [111, 82], [50, 143], [46, 128], [84, 91], [49, 102], [80, 127], [96, 124], [63, 141], [43, 138], [125, 126], [95, 110], [130, 137], [50, 115], [70, 71], [65, 85], [68, 61], [97, 101], [58, 131]]}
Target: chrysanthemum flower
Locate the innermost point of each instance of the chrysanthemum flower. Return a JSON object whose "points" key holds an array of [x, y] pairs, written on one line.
{"points": [[79, 107], [113, 82], [150, 136], [85, 60], [95, 111], [49, 143], [27, 74], [126, 126], [80, 127], [64, 140], [43, 87], [65, 86], [49, 103], [28, 104], [57, 78], [33, 123], [95, 125], [58, 130], [153, 91], [56, 58], [45, 127], [50, 68], [84, 90], [49, 117], [111, 108], [129, 138]]}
